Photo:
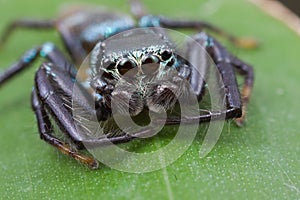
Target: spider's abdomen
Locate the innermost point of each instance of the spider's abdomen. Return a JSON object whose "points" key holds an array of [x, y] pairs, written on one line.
{"points": [[90, 25]]}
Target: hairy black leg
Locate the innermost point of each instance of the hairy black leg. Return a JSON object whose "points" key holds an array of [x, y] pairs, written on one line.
{"points": [[46, 98], [48, 81], [48, 51], [25, 61], [46, 130], [72, 43], [104, 141], [206, 116], [69, 88], [222, 60], [148, 21], [221, 55], [224, 67], [198, 59], [246, 71], [23, 23], [102, 95], [49, 94]]}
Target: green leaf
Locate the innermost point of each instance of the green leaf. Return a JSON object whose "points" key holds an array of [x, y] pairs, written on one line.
{"points": [[258, 161]]}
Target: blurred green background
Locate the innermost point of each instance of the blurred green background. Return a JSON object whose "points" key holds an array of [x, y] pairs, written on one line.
{"points": [[258, 161]]}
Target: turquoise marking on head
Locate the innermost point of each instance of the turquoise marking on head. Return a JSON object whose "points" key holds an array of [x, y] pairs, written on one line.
{"points": [[149, 21], [95, 31]]}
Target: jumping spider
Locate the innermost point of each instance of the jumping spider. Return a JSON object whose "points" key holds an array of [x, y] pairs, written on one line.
{"points": [[84, 30]]}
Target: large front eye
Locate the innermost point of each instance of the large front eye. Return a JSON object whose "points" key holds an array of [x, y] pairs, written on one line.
{"points": [[125, 65], [150, 59], [166, 55], [151, 63]]}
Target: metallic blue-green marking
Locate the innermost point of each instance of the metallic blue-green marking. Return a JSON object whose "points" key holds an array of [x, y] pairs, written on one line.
{"points": [[30, 56], [46, 49]]}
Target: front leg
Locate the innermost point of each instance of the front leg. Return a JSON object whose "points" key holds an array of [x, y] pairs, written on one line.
{"points": [[102, 93], [235, 108], [25, 23], [46, 130], [48, 51], [44, 97], [224, 58], [52, 86], [246, 71]]}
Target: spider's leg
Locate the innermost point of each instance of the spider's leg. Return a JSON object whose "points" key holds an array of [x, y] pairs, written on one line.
{"points": [[48, 51], [28, 24], [247, 72], [70, 40], [123, 138], [221, 57], [46, 130], [233, 101], [196, 54], [70, 90], [45, 97], [225, 61], [85, 102], [46, 101], [149, 21], [72, 43], [54, 90]]}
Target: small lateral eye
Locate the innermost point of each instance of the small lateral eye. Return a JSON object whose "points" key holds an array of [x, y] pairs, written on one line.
{"points": [[166, 55], [150, 59], [110, 67], [125, 65]]}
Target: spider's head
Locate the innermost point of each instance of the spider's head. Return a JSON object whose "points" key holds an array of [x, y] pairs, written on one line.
{"points": [[142, 69]]}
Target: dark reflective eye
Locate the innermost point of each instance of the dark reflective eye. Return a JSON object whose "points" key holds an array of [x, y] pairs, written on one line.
{"points": [[150, 59], [107, 73], [125, 65], [171, 62], [111, 66], [166, 55]]}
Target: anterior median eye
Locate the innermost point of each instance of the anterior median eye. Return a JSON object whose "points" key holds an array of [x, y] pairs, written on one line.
{"points": [[150, 59], [125, 65], [151, 63]]}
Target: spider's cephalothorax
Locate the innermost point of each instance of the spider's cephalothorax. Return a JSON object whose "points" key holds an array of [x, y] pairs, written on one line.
{"points": [[146, 69], [139, 69]]}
